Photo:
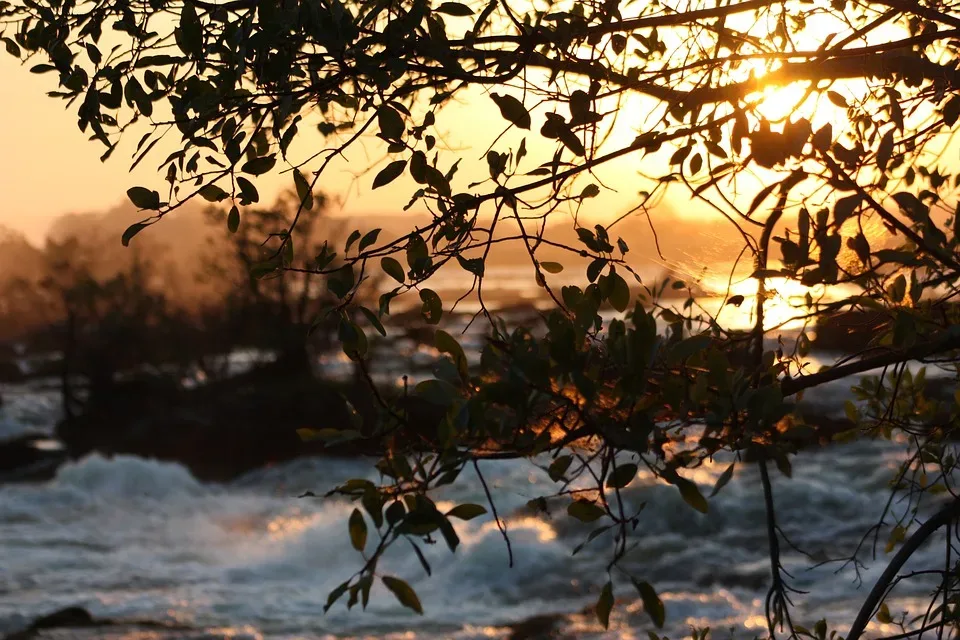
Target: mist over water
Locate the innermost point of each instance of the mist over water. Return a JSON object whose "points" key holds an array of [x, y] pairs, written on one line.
{"points": [[137, 539]]}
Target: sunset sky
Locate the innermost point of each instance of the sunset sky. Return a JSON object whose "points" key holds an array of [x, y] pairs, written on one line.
{"points": [[50, 167]]}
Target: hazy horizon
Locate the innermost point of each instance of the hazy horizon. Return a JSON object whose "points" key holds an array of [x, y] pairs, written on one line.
{"points": [[56, 170]]}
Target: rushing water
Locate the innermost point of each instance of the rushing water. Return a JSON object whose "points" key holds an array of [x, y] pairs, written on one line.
{"points": [[136, 539]]}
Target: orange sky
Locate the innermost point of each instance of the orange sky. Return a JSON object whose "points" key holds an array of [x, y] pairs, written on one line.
{"points": [[50, 168]]}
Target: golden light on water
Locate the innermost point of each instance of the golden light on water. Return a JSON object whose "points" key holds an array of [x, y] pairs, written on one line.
{"points": [[785, 301], [784, 307], [707, 473], [543, 530], [282, 527]]}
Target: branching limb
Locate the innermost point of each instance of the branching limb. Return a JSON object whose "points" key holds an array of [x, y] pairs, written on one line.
{"points": [[944, 516]]}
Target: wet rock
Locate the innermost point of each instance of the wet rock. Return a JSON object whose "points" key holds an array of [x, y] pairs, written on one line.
{"points": [[68, 617], [76, 618], [22, 458], [63, 618]]}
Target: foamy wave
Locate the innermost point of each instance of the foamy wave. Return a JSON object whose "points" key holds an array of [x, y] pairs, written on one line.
{"points": [[131, 477], [144, 539]]}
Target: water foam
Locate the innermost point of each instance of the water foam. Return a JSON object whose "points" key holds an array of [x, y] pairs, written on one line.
{"points": [[130, 537], [128, 477]]}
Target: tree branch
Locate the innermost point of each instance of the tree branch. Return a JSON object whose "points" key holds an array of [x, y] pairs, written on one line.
{"points": [[876, 595], [948, 342]]}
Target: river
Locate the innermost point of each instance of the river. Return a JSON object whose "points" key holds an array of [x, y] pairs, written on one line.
{"points": [[136, 539]]}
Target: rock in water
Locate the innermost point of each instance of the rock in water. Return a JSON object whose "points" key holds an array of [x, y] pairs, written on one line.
{"points": [[60, 619], [69, 617], [80, 618], [21, 459]]}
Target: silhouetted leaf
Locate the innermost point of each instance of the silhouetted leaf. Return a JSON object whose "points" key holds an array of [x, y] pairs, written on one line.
{"points": [[432, 308], [951, 111], [590, 538], [837, 99], [261, 269], [259, 166], [358, 530], [448, 532], [368, 239], [421, 557], [883, 615], [446, 343], [144, 198], [353, 237], [898, 289], [691, 494], [680, 154], [248, 192], [190, 34], [559, 467], [404, 593], [131, 231], [393, 269], [335, 595], [619, 295], [14, 50], [690, 347], [823, 138], [303, 189], [762, 195], [475, 266], [885, 150], [233, 219], [374, 320], [391, 123], [454, 9], [652, 603], [212, 193], [389, 173], [466, 511], [585, 511], [845, 208], [911, 205], [594, 269], [590, 191], [723, 479], [696, 163], [605, 605], [512, 110], [621, 476]]}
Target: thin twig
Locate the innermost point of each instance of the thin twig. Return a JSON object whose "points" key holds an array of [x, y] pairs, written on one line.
{"points": [[501, 525]]}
